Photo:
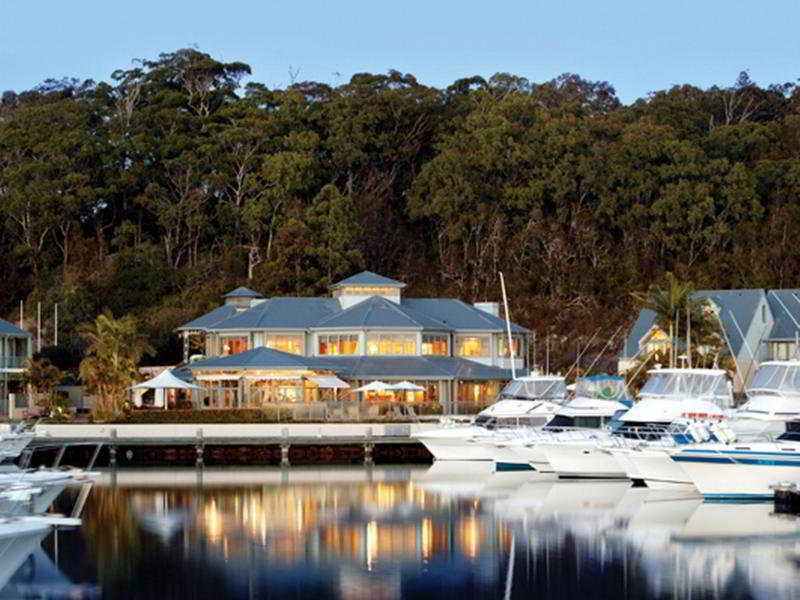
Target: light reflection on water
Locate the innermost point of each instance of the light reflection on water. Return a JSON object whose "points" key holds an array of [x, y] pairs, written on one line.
{"points": [[400, 532]]}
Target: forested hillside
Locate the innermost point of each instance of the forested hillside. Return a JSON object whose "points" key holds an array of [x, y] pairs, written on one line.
{"points": [[155, 192]]}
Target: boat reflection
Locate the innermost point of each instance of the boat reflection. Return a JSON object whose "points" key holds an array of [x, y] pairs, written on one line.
{"points": [[402, 532]]}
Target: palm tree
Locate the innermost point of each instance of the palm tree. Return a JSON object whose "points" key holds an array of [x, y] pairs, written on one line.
{"points": [[670, 304], [110, 367]]}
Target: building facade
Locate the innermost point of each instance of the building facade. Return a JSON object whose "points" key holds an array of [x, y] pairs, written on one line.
{"points": [[16, 347], [758, 325], [280, 350]]}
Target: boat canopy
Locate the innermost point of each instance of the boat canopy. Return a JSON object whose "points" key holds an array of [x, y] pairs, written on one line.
{"points": [[535, 388], [680, 384], [781, 378], [602, 387]]}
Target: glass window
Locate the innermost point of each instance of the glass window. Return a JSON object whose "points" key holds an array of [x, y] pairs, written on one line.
{"points": [[391, 343], [334, 344], [472, 345], [293, 344], [234, 345], [434, 344], [502, 345]]}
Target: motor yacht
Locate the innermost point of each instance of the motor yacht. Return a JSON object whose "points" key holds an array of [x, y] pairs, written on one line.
{"points": [[14, 441], [773, 399], [529, 401], [668, 395], [741, 469], [598, 399]]}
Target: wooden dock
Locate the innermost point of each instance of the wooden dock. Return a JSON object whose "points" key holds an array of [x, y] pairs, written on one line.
{"points": [[229, 444]]}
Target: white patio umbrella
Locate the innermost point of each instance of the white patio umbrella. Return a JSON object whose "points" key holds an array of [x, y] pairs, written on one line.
{"points": [[165, 381], [374, 386], [407, 386]]}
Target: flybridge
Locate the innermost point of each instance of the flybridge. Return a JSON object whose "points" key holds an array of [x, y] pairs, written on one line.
{"points": [[682, 383]]}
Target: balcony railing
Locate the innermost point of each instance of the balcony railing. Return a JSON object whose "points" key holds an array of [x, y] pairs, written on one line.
{"points": [[12, 362]]}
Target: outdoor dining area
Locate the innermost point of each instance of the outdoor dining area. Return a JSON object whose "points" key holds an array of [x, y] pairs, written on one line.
{"points": [[306, 398]]}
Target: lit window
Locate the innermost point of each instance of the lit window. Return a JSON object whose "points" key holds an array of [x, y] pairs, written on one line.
{"points": [[338, 344], [391, 344], [502, 346], [293, 344], [472, 345], [234, 345], [434, 344]]}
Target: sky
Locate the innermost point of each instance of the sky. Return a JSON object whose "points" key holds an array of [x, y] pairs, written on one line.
{"points": [[638, 46]]}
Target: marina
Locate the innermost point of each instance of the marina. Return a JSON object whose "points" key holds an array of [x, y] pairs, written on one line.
{"points": [[400, 532]]}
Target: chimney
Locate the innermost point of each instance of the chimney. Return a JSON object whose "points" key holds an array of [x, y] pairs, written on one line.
{"points": [[493, 308]]}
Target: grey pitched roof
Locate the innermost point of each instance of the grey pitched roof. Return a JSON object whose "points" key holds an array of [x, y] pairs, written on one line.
{"points": [[242, 292], [742, 304], [282, 313], [736, 307], [378, 312], [781, 304], [208, 320], [368, 278], [415, 367], [7, 328], [261, 358], [456, 314]]}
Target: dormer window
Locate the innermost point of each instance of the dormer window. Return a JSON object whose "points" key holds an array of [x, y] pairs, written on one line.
{"points": [[359, 287]]}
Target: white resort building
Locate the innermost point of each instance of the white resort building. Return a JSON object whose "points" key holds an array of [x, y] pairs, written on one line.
{"points": [[16, 346], [313, 351]]}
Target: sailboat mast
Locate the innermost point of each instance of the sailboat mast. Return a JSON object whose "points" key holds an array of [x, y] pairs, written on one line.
{"points": [[511, 353]]}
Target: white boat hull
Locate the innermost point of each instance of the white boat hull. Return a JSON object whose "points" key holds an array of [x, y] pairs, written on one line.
{"points": [[456, 443], [582, 460], [658, 470], [623, 458], [533, 455], [732, 480]]}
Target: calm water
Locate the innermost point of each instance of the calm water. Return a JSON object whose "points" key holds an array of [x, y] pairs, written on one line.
{"points": [[401, 532]]}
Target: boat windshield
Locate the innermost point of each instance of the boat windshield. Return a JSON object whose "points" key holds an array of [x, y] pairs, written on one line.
{"points": [[601, 387], [535, 389], [687, 383], [792, 433], [777, 378]]}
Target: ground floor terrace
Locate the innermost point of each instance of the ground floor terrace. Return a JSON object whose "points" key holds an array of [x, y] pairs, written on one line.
{"points": [[310, 388], [310, 397]]}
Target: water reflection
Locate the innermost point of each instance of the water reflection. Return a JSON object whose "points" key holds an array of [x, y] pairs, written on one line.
{"points": [[410, 533]]}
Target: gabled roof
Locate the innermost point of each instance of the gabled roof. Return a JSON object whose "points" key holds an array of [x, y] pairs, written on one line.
{"points": [[737, 307], [282, 313], [417, 367], [208, 320], [368, 278], [242, 292], [785, 308], [262, 358], [742, 304], [377, 312], [7, 328], [456, 314]]}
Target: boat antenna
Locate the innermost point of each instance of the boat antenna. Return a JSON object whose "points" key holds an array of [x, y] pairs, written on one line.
{"points": [[582, 352], [611, 339], [689, 334], [746, 345], [730, 349], [511, 352]]}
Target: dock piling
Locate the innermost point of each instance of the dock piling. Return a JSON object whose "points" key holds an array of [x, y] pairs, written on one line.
{"points": [[199, 446], [285, 447], [112, 450]]}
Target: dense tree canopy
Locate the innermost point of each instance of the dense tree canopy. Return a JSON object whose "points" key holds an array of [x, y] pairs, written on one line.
{"points": [[155, 192]]}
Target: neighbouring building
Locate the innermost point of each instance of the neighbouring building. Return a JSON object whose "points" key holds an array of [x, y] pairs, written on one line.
{"points": [[16, 346], [260, 351], [759, 325]]}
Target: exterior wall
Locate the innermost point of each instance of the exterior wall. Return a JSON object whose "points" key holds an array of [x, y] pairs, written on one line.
{"points": [[14, 351]]}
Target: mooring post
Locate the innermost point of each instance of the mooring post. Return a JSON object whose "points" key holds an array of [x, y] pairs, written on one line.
{"points": [[112, 448], [285, 447], [199, 446], [368, 446]]}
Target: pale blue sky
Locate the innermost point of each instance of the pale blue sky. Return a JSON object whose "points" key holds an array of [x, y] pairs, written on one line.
{"points": [[637, 45]]}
